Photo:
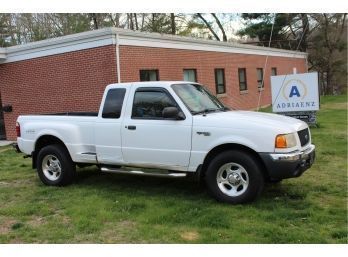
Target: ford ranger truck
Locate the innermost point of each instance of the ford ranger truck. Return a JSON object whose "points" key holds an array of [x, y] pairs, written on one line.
{"points": [[178, 128]]}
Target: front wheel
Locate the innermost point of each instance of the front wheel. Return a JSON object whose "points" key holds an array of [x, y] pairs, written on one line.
{"points": [[54, 166], [234, 177]]}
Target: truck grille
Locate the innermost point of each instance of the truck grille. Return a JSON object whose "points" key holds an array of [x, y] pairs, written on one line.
{"points": [[304, 136]]}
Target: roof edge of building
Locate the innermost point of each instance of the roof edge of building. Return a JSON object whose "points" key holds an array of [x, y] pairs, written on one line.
{"points": [[169, 37], [107, 36]]}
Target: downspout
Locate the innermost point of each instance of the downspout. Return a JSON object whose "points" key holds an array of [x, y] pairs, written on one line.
{"points": [[306, 62], [118, 58]]}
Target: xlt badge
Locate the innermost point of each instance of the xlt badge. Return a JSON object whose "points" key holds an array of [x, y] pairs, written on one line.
{"points": [[203, 133]]}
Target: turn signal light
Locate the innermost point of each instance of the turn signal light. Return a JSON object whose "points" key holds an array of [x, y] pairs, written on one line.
{"points": [[285, 140], [280, 141]]}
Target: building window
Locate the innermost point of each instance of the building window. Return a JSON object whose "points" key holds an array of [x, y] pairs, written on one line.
{"points": [[259, 77], [113, 103], [220, 81], [242, 79], [190, 75], [274, 71], [149, 75]]}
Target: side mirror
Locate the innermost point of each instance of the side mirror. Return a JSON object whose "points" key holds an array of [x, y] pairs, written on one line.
{"points": [[172, 113]]}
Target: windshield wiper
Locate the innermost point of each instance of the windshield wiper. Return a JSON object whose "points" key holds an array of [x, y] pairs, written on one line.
{"points": [[207, 110]]}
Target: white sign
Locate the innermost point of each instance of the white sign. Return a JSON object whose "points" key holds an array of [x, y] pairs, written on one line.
{"points": [[295, 92]]}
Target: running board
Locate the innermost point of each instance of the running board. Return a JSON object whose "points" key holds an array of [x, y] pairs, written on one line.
{"points": [[142, 173]]}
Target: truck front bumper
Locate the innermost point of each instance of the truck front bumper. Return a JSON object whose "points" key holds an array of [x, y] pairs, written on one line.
{"points": [[288, 165]]}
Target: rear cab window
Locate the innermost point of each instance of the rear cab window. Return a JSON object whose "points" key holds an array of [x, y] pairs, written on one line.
{"points": [[113, 103]]}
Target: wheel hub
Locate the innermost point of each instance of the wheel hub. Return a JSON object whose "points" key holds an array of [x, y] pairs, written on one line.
{"points": [[51, 167], [234, 179]]}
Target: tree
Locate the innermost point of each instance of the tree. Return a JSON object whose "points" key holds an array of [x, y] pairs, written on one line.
{"points": [[328, 52], [323, 36], [186, 24], [224, 37], [27, 27], [299, 25], [172, 23], [5, 29], [209, 26], [259, 26], [290, 31], [93, 17]]}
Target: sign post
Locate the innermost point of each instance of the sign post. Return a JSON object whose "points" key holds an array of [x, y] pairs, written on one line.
{"points": [[296, 95]]}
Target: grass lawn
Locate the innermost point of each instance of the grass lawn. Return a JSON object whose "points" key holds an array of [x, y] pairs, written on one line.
{"points": [[106, 208]]}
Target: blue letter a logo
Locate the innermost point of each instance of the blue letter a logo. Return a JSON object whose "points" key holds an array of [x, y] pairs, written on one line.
{"points": [[294, 91]]}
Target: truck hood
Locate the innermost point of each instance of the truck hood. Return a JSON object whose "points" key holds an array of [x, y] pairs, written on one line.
{"points": [[249, 120]]}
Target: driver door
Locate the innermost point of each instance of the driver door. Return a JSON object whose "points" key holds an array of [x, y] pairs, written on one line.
{"points": [[148, 139]]}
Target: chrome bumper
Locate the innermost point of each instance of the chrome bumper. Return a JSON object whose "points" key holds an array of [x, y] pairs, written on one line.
{"points": [[298, 155]]}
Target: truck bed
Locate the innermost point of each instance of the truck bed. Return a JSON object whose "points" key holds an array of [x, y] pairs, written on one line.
{"points": [[76, 129], [92, 114]]}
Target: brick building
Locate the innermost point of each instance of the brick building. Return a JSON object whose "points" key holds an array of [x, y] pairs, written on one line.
{"points": [[70, 73]]}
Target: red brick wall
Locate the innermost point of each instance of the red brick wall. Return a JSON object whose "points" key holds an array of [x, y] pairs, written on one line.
{"points": [[75, 81], [171, 62], [72, 81]]}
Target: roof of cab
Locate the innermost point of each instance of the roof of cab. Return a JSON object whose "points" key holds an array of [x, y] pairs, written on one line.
{"points": [[148, 83]]}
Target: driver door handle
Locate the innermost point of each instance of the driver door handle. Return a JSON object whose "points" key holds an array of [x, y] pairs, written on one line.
{"points": [[131, 127]]}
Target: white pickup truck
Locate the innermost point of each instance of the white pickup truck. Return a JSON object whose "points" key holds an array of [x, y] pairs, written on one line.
{"points": [[177, 128]]}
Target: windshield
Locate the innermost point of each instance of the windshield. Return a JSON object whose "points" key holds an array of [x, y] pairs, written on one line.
{"points": [[197, 99]]}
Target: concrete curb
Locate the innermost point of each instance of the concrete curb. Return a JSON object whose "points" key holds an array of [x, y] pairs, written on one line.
{"points": [[5, 142]]}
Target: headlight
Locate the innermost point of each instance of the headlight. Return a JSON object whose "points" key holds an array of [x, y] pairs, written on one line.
{"points": [[285, 141]]}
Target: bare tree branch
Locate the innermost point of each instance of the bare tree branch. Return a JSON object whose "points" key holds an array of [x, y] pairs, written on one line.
{"points": [[173, 25], [136, 21], [224, 37], [95, 21], [208, 26]]}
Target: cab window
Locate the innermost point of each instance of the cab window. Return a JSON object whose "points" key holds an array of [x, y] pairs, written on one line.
{"points": [[113, 103], [149, 104]]}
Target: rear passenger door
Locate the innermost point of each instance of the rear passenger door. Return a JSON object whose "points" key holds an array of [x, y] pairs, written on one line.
{"points": [[108, 127], [148, 139]]}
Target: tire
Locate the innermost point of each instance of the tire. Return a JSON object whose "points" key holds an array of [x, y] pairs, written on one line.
{"points": [[274, 181], [234, 177], [54, 166]]}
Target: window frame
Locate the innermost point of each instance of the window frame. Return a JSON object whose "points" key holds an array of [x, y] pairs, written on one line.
{"points": [[155, 89], [274, 69], [149, 70], [216, 81], [195, 72], [262, 78], [245, 79]]}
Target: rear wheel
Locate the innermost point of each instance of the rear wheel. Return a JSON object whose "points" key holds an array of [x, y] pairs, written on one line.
{"points": [[54, 166], [234, 177]]}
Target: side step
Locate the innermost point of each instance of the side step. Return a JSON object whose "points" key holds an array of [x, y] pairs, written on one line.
{"points": [[142, 173]]}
